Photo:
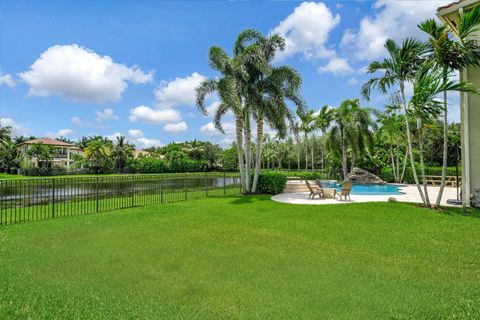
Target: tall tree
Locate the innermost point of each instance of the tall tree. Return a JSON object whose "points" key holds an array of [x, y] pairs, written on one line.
{"points": [[398, 69], [121, 152], [308, 124], [351, 127], [449, 55], [229, 89]]}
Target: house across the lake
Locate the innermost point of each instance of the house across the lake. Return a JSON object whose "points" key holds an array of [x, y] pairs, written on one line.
{"points": [[470, 111], [63, 154]]}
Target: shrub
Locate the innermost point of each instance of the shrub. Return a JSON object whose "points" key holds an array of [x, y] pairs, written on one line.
{"points": [[271, 182]]}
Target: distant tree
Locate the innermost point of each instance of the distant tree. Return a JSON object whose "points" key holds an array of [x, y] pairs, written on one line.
{"points": [[121, 152], [43, 152]]}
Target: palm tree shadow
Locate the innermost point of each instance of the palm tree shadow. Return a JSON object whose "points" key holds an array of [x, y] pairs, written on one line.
{"points": [[464, 212], [250, 199]]}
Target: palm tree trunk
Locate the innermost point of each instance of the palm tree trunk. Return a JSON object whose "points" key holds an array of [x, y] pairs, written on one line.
{"points": [[313, 162], [298, 157], [422, 164], [395, 177], [409, 143], [306, 151], [405, 159], [239, 138], [397, 162], [258, 152], [344, 155], [248, 151], [445, 143]]}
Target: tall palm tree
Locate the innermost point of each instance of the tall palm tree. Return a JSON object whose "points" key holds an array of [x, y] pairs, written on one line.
{"points": [[351, 127], [449, 55], [391, 132], [308, 124], [266, 89], [423, 105], [121, 152], [398, 69], [323, 120], [229, 89]]}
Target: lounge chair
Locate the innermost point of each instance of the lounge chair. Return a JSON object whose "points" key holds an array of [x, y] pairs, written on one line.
{"points": [[314, 191], [346, 189]]}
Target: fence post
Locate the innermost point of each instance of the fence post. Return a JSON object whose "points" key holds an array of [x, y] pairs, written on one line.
{"points": [[224, 184], [53, 198], [96, 194], [161, 190], [206, 185], [185, 183], [133, 190]]}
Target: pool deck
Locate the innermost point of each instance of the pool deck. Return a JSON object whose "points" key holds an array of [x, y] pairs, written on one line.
{"points": [[410, 195]]}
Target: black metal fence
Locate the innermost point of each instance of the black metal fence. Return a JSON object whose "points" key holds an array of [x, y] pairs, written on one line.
{"points": [[24, 200]]}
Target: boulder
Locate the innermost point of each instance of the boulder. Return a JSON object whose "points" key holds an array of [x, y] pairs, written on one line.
{"points": [[361, 176]]}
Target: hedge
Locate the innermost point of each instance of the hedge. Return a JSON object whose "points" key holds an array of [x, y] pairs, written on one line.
{"points": [[387, 173], [271, 182]]}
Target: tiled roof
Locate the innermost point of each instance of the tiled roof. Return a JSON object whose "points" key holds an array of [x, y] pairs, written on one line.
{"points": [[50, 141], [449, 5]]}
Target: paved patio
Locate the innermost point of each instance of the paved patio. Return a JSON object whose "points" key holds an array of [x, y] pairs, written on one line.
{"points": [[411, 195]]}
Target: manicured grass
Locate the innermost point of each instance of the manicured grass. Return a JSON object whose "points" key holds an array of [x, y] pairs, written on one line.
{"points": [[244, 258]]}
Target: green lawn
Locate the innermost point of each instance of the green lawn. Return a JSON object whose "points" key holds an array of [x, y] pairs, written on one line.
{"points": [[244, 258]]}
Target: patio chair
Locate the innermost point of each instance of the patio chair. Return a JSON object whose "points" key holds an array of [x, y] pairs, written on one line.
{"points": [[319, 183], [314, 191], [346, 189]]}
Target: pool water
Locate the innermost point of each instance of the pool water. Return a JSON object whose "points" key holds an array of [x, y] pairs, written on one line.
{"points": [[367, 189]]}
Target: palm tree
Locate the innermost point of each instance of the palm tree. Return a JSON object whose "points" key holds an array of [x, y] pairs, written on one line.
{"points": [[427, 85], [398, 69], [391, 133], [308, 124], [97, 152], [449, 55], [194, 149], [228, 88], [5, 136], [350, 128], [121, 152], [322, 121]]}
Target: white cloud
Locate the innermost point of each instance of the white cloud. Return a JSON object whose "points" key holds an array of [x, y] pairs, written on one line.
{"points": [[212, 108], [337, 66], [135, 133], [149, 115], [210, 130], [176, 127], [60, 133], [114, 136], [306, 31], [106, 114], [16, 129], [77, 121], [353, 81], [178, 92], [7, 80], [146, 143], [76, 73], [392, 19]]}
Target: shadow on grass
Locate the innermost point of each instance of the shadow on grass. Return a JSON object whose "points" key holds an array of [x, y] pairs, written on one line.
{"points": [[251, 198], [464, 212]]}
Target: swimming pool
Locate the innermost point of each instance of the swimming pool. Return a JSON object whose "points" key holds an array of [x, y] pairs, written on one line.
{"points": [[367, 189]]}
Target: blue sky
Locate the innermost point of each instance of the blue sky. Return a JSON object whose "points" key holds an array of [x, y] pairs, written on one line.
{"points": [[130, 67]]}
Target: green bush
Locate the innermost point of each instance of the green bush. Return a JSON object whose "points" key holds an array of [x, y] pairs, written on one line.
{"points": [[387, 173], [271, 182]]}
